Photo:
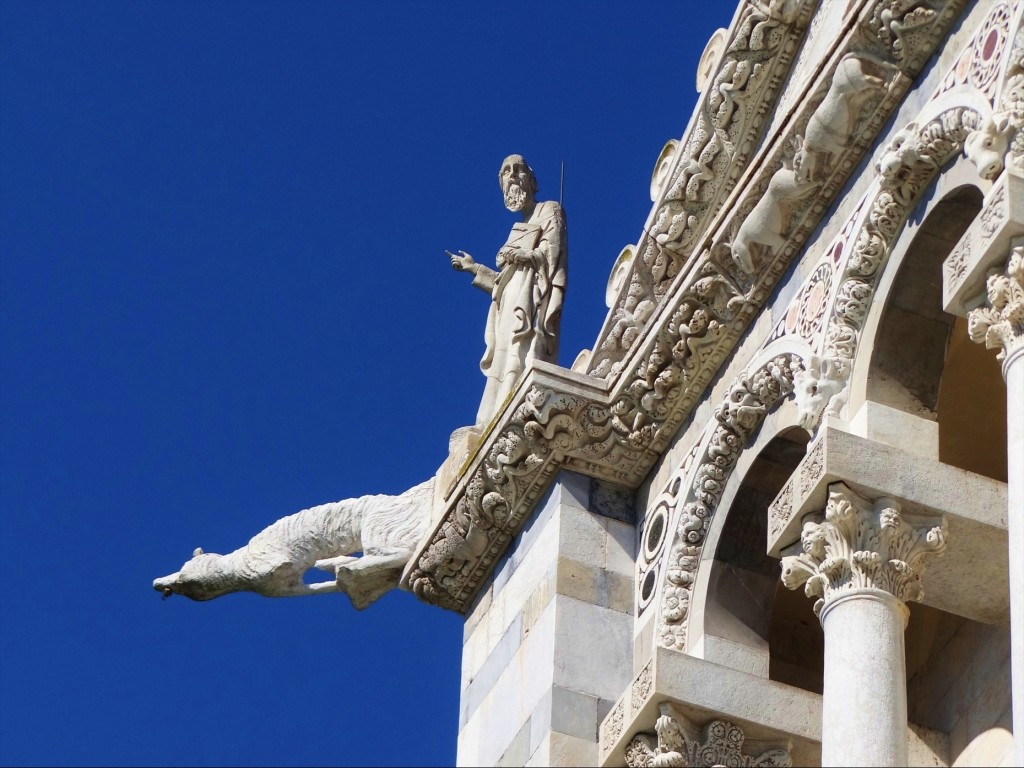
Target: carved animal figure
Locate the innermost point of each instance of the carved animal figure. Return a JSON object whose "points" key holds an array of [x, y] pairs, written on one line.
{"points": [[816, 388], [386, 529], [767, 225], [904, 149], [987, 146], [831, 125]]}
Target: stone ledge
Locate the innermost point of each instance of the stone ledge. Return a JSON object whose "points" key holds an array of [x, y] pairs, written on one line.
{"points": [[971, 578], [702, 690], [984, 245], [766, 710]]}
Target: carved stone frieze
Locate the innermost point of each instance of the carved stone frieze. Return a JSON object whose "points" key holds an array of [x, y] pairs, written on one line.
{"points": [[706, 162], [611, 729], [902, 27], [799, 171], [1011, 98], [1000, 323], [780, 510], [955, 266], [678, 742], [993, 214], [641, 688], [719, 298], [862, 545], [812, 467]]}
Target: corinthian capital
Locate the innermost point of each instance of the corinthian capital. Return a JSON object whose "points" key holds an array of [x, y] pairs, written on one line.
{"points": [[1000, 323], [862, 545], [678, 742]]}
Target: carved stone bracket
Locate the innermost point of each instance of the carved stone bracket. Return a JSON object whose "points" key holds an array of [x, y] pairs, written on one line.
{"points": [[862, 545], [677, 741]]}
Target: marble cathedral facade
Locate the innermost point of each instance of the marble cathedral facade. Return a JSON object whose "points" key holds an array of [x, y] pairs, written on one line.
{"points": [[776, 515]]}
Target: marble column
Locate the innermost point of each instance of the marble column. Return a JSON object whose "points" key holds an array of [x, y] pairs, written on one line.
{"points": [[1000, 325], [863, 561]]}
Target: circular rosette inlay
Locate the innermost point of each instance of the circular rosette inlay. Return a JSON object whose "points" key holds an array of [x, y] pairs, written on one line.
{"points": [[987, 50], [813, 300]]}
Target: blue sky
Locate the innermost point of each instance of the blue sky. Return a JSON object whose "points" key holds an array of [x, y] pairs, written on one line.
{"points": [[224, 297]]}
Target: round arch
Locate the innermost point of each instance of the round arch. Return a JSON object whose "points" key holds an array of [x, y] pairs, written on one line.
{"points": [[908, 165]]}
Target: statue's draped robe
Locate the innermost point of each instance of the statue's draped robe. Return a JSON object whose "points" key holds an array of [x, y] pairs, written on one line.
{"points": [[526, 305]]}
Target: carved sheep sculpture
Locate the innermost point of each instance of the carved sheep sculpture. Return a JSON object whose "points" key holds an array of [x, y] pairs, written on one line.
{"points": [[766, 227], [386, 529], [831, 125]]}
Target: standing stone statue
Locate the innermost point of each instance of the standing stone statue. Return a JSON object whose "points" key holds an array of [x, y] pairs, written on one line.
{"points": [[526, 291]]}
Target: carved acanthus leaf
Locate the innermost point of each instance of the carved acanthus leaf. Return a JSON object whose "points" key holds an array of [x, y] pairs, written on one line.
{"points": [[862, 545], [679, 742], [1000, 323]]}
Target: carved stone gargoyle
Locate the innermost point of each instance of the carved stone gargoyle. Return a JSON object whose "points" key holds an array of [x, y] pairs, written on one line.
{"points": [[386, 529]]}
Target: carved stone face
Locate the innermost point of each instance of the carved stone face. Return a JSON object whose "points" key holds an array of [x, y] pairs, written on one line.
{"points": [[517, 183]]}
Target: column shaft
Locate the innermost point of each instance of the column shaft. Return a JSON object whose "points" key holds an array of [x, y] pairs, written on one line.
{"points": [[862, 562], [1013, 370], [864, 701]]}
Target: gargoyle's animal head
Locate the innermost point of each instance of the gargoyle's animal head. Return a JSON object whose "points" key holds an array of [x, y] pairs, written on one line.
{"points": [[986, 147], [199, 579]]}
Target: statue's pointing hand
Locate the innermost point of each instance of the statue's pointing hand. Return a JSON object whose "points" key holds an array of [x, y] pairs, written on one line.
{"points": [[462, 261]]}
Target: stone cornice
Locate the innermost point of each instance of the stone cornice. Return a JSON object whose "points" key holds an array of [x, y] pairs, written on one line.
{"points": [[616, 429], [715, 170]]}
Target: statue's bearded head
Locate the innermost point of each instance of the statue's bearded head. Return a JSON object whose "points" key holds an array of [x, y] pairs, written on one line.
{"points": [[517, 182]]}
